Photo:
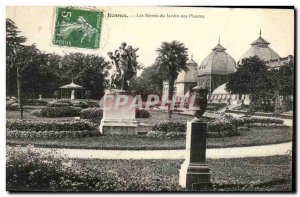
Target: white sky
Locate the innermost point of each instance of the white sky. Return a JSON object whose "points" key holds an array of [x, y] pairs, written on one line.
{"points": [[237, 28]]}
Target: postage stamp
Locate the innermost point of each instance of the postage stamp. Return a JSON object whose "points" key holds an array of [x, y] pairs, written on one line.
{"points": [[77, 28]]}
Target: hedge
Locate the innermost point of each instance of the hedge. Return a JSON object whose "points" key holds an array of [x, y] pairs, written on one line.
{"points": [[262, 120], [81, 104], [57, 112], [35, 125], [35, 102], [60, 103], [141, 113], [225, 126], [90, 113], [170, 126], [50, 134]]}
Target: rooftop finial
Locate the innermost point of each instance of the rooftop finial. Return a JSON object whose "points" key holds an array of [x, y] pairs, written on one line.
{"points": [[260, 33], [192, 56], [219, 40]]}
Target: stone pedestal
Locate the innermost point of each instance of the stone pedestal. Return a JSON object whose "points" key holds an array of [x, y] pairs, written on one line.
{"points": [[118, 113], [194, 173]]}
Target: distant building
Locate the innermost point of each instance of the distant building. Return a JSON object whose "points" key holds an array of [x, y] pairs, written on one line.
{"points": [[185, 80], [213, 71], [260, 47], [215, 68]]}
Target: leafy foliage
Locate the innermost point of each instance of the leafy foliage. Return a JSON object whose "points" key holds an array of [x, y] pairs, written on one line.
{"points": [[141, 113], [252, 77], [90, 71], [57, 112], [90, 113], [149, 82]]}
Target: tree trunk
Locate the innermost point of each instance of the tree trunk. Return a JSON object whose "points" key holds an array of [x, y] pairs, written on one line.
{"points": [[170, 94], [253, 104], [19, 85]]}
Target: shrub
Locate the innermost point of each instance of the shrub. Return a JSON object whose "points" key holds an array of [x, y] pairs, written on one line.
{"points": [[60, 103], [36, 171], [50, 134], [57, 112], [90, 113], [37, 113], [175, 135], [35, 102], [92, 104], [81, 104], [34, 125], [141, 113], [42, 171], [262, 120], [273, 125], [170, 126], [215, 106], [11, 104], [156, 134], [226, 125]]}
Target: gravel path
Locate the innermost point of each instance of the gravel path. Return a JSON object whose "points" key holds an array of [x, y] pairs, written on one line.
{"points": [[238, 152]]}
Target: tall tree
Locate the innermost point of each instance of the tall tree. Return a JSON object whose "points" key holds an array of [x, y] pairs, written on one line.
{"points": [[13, 40], [253, 78], [172, 58], [42, 77], [90, 71], [283, 79], [149, 82], [25, 57]]}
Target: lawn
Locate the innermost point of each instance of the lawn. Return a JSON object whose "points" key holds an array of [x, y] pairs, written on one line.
{"points": [[256, 136], [273, 173]]}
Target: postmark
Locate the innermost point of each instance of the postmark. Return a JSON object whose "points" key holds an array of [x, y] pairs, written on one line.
{"points": [[76, 27]]}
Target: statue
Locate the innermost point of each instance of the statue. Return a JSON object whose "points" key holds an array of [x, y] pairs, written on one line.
{"points": [[125, 64]]}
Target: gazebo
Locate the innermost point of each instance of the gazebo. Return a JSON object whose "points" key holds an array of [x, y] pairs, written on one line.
{"points": [[72, 87]]}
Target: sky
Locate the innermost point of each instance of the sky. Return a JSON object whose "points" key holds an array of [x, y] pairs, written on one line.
{"points": [[236, 27]]}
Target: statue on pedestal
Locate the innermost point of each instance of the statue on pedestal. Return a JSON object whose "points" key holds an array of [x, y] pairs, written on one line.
{"points": [[125, 66], [119, 119]]}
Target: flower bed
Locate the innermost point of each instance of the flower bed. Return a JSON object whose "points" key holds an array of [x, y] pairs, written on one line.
{"points": [[33, 125], [225, 126], [57, 112], [90, 113], [272, 125], [31, 171]]}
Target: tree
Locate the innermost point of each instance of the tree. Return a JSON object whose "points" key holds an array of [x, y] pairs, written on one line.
{"points": [[13, 40], [42, 77], [283, 79], [90, 71], [150, 81], [172, 58], [25, 56], [19, 57], [253, 78]]}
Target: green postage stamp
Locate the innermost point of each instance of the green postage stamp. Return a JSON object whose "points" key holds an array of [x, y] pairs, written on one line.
{"points": [[77, 28]]}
